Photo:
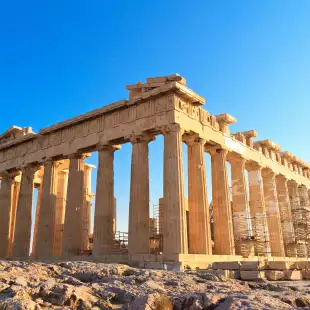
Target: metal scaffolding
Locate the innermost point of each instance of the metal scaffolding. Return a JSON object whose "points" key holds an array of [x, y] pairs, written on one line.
{"points": [[156, 230], [121, 241]]}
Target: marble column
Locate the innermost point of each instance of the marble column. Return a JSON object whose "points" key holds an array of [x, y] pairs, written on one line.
{"points": [[221, 205], [13, 215], [297, 215], [6, 192], [46, 225], [258, 211], [198, 206], [61, 200], [104, 208], [175, 229], [114, 215], [87, 209], [240, 207], [22, 235], [72, 234], [161, 216], [286, 216], [273, 213], [139, 207], [304, 204], [37, 218]]}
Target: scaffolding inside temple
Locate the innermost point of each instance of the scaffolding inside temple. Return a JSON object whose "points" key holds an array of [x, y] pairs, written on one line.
{"points": [[121, 241], [289, 237], [156, 230], [254, 238], [301, 222]]}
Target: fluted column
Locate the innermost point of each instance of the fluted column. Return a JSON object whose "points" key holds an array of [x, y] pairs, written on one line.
{"points": [[37, 218], [161, 216], [198, 207], [139, 207], [286, 216], [6, 192], [297, 215], [22, 235], [72, 234], [273, 213], [258, 211], [114, 215], [221, 206], [175, 226], [240, 207], [46, 225], [304, 204], [16, 189], [87, 208], [61, 199], [104, 208]]}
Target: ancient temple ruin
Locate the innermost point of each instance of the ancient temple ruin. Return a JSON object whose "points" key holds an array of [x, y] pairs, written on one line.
{"points": [[266, 214]]}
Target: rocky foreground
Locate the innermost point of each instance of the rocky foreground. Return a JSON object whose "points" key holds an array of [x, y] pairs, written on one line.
{"points": [[85, 285]]}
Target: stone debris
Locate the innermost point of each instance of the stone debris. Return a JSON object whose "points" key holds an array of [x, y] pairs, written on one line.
{"points": [[87, 285], [278, 265], [275, 275], [294, 275], [252, 275], [253, 265]]}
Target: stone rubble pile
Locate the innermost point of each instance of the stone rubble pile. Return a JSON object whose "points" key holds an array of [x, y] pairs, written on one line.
{"points": [[86, 285]]}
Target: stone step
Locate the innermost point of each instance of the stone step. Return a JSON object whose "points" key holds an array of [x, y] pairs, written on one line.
{"points": [[226, 265], [252, 275]]}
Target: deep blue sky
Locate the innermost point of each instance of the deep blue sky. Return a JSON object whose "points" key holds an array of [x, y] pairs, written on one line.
{"points": [[59, 59]]}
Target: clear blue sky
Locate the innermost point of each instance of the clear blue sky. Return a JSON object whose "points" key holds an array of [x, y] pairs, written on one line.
{"points": [[59, 59]]}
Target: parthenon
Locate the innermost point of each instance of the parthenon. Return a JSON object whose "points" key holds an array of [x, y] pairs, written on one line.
{"points": [[265, 213]]}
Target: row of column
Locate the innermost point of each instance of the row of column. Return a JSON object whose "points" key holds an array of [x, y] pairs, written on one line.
{"points": [[254, 219], [63, 211], [267, 219]]}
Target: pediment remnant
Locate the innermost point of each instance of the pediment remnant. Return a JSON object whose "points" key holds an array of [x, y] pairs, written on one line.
{"points": [[14, 133]]}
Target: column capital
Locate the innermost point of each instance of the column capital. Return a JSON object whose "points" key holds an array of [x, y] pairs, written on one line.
{"points": [[252, 166], [47, 160], [89, 167], [50, 162], [293, 184], [166, 129], [193, 138], [31, 168], [79, 155], [268, 172], [10, 174], [218, 150], [64, 171], [235, 158], [291, 181], [282, 177], [108, 147], [141, 137], [302, 186]]}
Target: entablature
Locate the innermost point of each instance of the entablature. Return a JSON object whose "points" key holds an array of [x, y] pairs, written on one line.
{"points": [[268, 148], [159, 102]]}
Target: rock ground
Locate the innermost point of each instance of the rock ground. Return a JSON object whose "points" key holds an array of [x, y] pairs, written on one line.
{"points": [[86, 285]]}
